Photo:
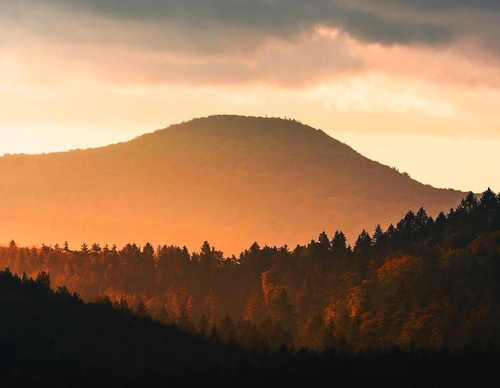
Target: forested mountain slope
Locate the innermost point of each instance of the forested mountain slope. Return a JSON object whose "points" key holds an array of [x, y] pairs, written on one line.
{"points": [[231, 180], [423, 283]]}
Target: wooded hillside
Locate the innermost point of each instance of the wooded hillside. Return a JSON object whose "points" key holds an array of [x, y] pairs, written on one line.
{"points": [[422, 283], [230, 180]]}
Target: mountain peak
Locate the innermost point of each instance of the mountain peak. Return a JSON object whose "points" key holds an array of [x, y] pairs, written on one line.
{"points": [[240, 128], [227, 179]]}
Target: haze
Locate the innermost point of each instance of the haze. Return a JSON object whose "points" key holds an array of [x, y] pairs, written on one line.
{"points": [[412, 84]]}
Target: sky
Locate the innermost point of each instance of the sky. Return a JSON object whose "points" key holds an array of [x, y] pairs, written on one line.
{"points": [[413, 84]]}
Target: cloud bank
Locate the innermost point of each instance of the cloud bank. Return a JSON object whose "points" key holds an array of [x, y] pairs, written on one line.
{"points": [[243, 24]]}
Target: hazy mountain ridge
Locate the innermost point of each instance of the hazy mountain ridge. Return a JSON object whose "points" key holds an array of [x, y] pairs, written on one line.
{"points": [[228, 179]]}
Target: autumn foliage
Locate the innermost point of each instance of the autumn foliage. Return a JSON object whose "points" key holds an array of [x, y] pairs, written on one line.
{"points": [[423, 283]]}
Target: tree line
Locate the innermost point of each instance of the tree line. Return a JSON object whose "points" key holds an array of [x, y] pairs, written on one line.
{"points": [[422, 283]]}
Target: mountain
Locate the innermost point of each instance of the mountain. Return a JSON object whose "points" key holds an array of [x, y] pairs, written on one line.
{"points": [[230, 180]]}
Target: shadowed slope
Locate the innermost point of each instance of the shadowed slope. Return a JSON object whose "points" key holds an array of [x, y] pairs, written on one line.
{"points": [[227, 179]]}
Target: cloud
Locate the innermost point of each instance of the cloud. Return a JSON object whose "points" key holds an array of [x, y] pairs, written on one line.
{"points": [[227, 41], [244, 24], [372, 94], [311, 58]]}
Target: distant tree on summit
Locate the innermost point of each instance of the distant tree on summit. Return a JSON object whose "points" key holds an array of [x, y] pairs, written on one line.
{"points": [[363, 243], [339, 244], [324, 241], [379, 238], [84, 248], [468, 204], [210, 258], [96, 248], [488, 201]]}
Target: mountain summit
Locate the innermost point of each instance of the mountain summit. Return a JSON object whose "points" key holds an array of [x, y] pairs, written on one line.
{"points": [[231, 180]]}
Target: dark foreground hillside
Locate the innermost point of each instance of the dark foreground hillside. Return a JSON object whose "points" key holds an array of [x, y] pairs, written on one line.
{"points": [[48, 336], [54, 339]]}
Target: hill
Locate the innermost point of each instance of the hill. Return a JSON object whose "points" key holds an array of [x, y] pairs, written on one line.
{"points": [[230, 180]]}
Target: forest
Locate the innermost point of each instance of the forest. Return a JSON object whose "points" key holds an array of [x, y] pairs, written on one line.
{"points": [[53, 338], [424, 283]]}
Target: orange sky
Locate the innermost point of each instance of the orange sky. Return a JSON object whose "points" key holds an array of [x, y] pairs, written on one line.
{"points": [[412, 84]]}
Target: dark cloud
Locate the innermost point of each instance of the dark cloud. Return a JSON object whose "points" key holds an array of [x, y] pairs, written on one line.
{"points": [[382, 21], [232, 29], [444, 5]]}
